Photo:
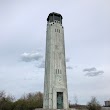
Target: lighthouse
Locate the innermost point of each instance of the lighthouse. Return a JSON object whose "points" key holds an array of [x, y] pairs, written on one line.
{"points": [[55, 79]]}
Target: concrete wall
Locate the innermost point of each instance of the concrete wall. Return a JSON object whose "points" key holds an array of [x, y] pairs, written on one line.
{"points": [[55, 67], [107, 103], [103, 108], [60, 109]]}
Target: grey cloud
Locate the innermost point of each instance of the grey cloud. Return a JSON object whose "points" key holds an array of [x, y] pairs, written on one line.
{"points": [[95, 73], [89, 69], [28, 79], [28, 57], [42, 65], [92, 72], [67, 60], [69, 67]]}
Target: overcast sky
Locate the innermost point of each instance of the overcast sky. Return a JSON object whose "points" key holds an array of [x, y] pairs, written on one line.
{"points": [[87, 44]]}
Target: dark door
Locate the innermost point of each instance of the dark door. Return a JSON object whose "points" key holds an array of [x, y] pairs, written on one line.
{"points": [[59, 100]]}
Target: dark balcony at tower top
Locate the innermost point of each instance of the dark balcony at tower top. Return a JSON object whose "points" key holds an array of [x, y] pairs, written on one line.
{"points": [[55, 17]]}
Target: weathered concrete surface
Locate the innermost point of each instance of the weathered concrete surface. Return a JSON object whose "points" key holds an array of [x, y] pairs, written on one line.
{"points": [[55, 67], [61, 109], [103, 108]]}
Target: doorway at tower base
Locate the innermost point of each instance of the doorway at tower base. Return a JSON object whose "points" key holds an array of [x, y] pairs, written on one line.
{"points": [[59, 100]]}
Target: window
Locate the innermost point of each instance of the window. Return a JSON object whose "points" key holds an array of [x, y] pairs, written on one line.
{"points": [[57, 18], [51, 18], [59, 31], [58, 71], [55, 30]]}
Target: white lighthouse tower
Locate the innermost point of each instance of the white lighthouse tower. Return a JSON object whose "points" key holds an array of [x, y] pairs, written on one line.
{"points": [[55, 81]]}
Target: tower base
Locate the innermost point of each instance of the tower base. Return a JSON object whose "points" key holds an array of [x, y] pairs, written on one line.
{"points": [[55, 109]]}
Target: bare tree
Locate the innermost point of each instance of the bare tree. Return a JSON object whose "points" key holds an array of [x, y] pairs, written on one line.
{"points": [[76, 100], [6, 101], [2, 94], [93, 104]]}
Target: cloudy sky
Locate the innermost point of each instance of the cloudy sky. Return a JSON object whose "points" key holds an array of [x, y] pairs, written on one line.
{"points": [[87, 43]]}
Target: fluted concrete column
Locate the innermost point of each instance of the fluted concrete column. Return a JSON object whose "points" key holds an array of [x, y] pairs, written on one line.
{"points": [[55, 81]]}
